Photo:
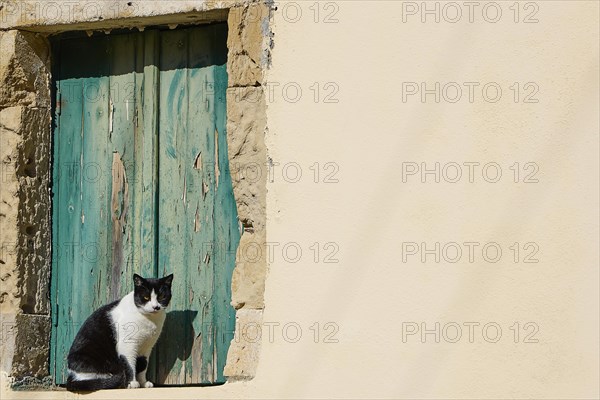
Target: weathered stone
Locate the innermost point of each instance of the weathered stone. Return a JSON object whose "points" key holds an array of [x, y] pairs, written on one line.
{"points": [[248, 281], [25, 219], [32, 341], [24, 69], [248, 42], [33, 251], [7, 338], [246, 125], [246, 128], [244, 351], [56, 16], [11, 118], [10, 140]]}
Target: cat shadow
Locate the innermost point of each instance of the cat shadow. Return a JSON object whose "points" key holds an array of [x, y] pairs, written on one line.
{"points": [[175, 343]]}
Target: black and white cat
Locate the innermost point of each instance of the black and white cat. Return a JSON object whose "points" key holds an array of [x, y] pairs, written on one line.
{"points": [[112, 348]]}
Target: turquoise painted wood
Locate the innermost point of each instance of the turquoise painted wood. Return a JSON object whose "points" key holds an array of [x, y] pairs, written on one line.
{"points": [[141, 184]]}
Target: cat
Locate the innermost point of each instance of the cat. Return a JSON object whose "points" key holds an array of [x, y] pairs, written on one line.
{"points": [[112, 348]]}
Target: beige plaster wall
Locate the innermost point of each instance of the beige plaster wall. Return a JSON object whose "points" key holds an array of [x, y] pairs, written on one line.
{"points": [[378, 292]]}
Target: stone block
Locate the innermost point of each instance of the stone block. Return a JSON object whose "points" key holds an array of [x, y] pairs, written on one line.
{"points": [[25, 209], [246, 125], [244, 351], [248, 281], [249, 44], [32, 346], [24, 69]]}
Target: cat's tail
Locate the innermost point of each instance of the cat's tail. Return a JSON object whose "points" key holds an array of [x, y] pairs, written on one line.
{"points": [[76, 384]]}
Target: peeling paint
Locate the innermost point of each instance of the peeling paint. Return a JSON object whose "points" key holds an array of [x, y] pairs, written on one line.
{"points": [[197, 222], [119, 209], [197, 356], [111, 111], [198, 161], [217, 172], [204, 189], [182, 373], [214, 363]]}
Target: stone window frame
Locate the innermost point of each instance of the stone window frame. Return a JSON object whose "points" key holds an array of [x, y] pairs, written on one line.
{"points": [[25, 167]]}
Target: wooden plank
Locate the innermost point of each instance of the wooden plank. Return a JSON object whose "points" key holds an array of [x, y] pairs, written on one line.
{"points": [[69, 211], [95, 214], [148, 112], [173, 244], [124, 174], [70, 263], [227, 233], [200, 167]]}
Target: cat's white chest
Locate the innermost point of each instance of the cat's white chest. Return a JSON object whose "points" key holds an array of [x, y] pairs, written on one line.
{"points": [[138, 329], [136, 332]]}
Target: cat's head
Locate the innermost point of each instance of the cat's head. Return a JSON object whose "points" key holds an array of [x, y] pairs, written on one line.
{"points": [[152, 295]]}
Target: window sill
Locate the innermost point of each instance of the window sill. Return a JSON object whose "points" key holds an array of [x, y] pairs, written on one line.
{"points": [[225, 391]]}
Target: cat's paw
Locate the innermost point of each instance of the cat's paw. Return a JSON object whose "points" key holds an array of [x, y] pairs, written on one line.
{"points": [[148, 384], [133, 385]]}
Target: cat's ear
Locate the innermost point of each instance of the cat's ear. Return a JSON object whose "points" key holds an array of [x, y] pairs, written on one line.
{"points": [[138, 280], [168, 279]]}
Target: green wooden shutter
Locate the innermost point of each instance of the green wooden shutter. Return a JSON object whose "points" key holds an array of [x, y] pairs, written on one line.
{"points": [[141, 184]]}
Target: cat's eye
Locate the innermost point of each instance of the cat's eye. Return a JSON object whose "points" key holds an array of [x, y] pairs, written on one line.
{"points": [[146, 298]]}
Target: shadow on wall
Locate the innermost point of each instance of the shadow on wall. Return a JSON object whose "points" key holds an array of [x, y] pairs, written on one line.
{"points": [[175, 343]]}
